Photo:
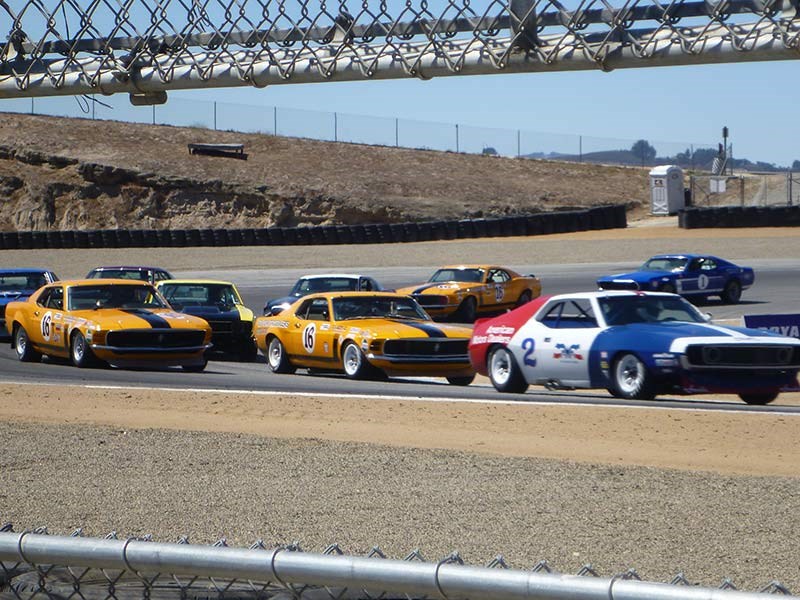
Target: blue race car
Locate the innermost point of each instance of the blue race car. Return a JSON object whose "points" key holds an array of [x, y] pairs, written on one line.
{"points": [[634, 344], [692, 275], [19, 284]]}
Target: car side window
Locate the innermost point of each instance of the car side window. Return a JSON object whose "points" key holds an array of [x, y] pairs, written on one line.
{"points": [[318, 310], [570, 314], [366, 285], [694, 264], [708, 265], [44, 297], [56, 299], [498, 276], [302, 310]]}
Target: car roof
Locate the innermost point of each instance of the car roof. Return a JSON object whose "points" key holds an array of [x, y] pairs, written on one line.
{"points": [[675, 255], [128, 267], [23, 270], [607, 294], [96, 282], [193, 282], [340, 275], [484, 266], [329, 295]]}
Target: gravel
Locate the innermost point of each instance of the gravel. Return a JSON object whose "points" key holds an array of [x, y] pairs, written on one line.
{"points": [[243, 488]]}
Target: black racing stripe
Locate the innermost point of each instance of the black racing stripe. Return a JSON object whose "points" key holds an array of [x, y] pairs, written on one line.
{"points": [[427, 286], [431, 330], [153, 320]]}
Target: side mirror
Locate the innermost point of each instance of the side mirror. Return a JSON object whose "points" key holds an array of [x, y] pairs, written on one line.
{"points": [[707, 317], [98, 304]]}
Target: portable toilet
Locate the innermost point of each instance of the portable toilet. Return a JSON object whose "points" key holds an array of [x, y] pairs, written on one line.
{"points": [[666, 190]]}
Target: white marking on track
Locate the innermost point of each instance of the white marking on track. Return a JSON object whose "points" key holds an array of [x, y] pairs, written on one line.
{"points": [[520, 402]]}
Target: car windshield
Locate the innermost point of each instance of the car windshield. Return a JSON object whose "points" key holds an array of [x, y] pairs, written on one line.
{"points": [[220, 295], [138, 274], [466, 275], [312, 285], [624, 310], [86, 297], [12, 282], [376, 307], [670, 263]]}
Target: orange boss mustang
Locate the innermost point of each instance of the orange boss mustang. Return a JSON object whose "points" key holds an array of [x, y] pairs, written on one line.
{"points": [[121, 322], [364, 334], [462, 292]]}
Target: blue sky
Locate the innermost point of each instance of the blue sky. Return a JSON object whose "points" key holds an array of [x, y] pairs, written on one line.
{"points": [[687, 105]]}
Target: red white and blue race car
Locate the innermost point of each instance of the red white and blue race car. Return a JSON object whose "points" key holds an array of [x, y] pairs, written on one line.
{"points": [[635, 345]]}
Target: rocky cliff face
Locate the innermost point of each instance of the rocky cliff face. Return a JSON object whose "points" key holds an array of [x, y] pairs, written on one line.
{"points": [[77, 174]]}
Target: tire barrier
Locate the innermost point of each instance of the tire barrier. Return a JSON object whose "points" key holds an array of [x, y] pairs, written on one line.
{"points": [[601, 217], [739, 216]]}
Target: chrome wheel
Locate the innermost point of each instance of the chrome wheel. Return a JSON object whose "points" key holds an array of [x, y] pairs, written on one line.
{"points": [[500, 366], [352, 360], [631, 379], [277, 360]]}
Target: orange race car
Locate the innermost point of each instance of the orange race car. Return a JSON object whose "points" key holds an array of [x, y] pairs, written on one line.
{"points": [[364, 334], [463, 292], [120, 322]]}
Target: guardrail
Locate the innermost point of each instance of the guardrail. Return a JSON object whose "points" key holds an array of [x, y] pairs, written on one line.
{"points": [[739, 216], [265, 573], [600, 217]]}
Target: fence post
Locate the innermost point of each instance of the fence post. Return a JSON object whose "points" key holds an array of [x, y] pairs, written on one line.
{"points": [[275, 119], [519, 144], [32, 110], [215, 115], [154, 114], [396, 132], [335, 127], [580, 148], [456, 137]]}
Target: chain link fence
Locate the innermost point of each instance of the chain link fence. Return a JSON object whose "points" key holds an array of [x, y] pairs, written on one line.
{"points": [[745, 189], [36, 565]]}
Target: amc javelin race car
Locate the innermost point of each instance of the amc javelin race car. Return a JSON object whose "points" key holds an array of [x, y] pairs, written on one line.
{"points": [[634, 344], [219, 303], [317, 284], [463, 292], [691, 275], [364, 335], [123, 323]]}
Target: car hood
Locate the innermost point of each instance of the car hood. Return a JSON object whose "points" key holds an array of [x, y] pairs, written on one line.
{"points": [[698, 333], [403, 328], [438, 288], [638, 276], [288, 300], [138, 318], [212, 312], [12, 295]]}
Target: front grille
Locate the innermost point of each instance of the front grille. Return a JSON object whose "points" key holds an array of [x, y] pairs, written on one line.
{"points": [[427, 347], [221, 326], [618, 285], [743, 356], [156, 338], [430, 300]]}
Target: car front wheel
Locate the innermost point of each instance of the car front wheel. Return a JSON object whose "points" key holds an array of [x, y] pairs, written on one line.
{"points": [[504, 372], [355, 364], [468, 310], [277, 359], [465, 380], [732, 292], [630, 379], [81, 353], [759, 399], [22, 344]]}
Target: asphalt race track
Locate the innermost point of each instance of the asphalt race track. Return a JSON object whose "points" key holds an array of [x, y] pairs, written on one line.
{"points": [[773, 292]]}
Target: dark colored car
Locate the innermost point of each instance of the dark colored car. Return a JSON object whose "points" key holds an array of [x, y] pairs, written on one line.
{"points": [[332, 282], [690, 275], [220, 304], [19, 284], [150, 274]]}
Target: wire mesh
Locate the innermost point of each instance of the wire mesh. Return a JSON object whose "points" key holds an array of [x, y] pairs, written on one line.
{"points": [[145, 47]]}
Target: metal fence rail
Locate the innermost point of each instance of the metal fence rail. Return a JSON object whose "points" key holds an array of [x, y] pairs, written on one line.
{"points": [[262, 572], [146, 47]]}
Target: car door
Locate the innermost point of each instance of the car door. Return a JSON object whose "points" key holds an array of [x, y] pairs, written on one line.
{"points": [[311, 337], [569, 327], [496, 292], [46, 321]]}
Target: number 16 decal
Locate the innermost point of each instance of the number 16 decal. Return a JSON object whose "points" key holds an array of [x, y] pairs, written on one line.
{"points": [[529, 345]]}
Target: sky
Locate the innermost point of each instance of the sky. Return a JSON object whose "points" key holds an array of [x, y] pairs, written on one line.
{"points": [[686, 105], [671, 107]]}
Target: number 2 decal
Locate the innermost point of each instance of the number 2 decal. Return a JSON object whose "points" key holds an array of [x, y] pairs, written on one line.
{"points": [[529, 345]]}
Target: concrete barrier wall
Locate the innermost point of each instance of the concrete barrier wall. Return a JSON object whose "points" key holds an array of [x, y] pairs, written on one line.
{"points": [[740, 216]]}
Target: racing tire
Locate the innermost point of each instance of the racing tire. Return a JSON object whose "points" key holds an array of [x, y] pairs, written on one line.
{"points": [[504, 373], [732, 292], [249, 351], [524, 298], [277, 359], [630, 379], [667, 288], [23, 347], [759, 399], [468, 310], [198, 368], [80, 352], [355, 364], [461, 380]]}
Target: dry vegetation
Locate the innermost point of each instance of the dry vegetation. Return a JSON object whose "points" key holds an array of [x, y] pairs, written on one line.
{"points": [[80, 174]]}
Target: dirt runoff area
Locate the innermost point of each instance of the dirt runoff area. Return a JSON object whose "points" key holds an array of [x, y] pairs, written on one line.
{"points": [[712, 494]]}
